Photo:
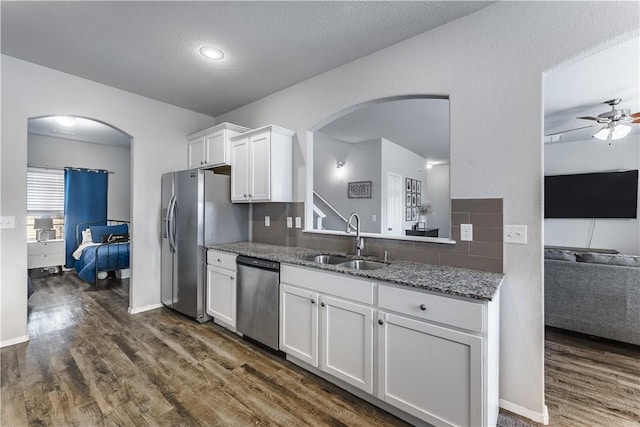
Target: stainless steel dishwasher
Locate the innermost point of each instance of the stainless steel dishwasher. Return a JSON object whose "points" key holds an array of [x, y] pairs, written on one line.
{"points": [[258, 313]]}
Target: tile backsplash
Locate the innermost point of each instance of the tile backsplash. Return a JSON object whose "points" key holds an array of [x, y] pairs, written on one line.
{"points": [[483, 253]]}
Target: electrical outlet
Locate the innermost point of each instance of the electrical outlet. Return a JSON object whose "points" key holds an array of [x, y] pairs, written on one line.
{"points": [[515, 234], [466, 232], [289, 222], [267, 221], [298, 222], [7, 222]]}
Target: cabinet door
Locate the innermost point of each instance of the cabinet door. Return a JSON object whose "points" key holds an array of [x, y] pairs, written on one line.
{"points": [[299, 323], [216, 149], [347, 342], [240, 170], [431, 372], [196, 152], [221, 295], [260, 170]]}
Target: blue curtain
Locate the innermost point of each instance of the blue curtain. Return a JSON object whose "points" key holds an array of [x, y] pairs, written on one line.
{"points": [[85, 199]]}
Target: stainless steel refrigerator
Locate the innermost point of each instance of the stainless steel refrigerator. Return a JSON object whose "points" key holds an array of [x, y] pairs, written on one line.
{"points": [[196, 212]]}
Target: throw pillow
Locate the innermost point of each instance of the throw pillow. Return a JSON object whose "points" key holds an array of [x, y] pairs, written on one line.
{"points": [[621, 260]]}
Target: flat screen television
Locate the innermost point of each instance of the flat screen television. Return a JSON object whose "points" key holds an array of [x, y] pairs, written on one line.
{"points": [[592, 195]]}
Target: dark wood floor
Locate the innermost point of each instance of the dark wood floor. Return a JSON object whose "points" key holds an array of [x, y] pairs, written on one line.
{"points": [[91, 363]]}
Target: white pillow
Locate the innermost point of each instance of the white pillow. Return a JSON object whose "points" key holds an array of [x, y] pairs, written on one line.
{"points": [[86, 236]]}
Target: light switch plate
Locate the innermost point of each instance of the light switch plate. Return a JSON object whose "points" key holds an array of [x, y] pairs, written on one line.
{"points": [[298, 222], [515, 234], [7, 222], [267, 221], [466, 232], [289, 222]]}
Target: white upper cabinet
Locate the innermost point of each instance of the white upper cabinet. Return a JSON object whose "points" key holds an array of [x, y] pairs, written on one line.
{"points": [[211, 147], [262, 165]]}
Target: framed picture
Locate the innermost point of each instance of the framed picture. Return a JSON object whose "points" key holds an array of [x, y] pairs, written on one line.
{"points": [[414, 185], [418, 186], [407, 184], [414, 214], [359, 190], [413, 199], [422, 226], [407, 215], [408, 201], [418, 199]]}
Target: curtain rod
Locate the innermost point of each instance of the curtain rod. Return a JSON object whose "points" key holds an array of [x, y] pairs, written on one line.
{"points": [[69, 167]]}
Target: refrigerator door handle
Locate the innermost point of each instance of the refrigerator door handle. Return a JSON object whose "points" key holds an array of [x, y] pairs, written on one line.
{"points": [[176, 223], [169, 224]]}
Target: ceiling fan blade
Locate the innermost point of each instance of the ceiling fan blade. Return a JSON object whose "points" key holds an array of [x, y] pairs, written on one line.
{"points": [[636, 115], [569, 130], [597, 119], [636, 120]]}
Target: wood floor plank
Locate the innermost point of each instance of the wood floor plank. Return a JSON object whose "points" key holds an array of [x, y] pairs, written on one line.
{"points": [[91, 363]]}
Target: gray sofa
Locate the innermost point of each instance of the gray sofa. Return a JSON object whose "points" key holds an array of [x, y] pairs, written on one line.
{"points": [[587, 292]]}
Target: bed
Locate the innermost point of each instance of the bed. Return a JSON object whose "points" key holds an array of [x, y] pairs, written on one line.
{"points": [[101, 248]]}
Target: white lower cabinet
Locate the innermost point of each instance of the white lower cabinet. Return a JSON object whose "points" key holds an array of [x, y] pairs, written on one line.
{"points": [[431, 372], [299, 323], [431, 356], [221, 288], [347, 341]]}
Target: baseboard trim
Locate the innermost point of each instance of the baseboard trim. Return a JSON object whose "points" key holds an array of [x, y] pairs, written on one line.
{"points": [[143, 309], [14, 341], [539, 417]]}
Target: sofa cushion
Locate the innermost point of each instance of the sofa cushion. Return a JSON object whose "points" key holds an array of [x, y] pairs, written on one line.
{"points": [[560, 254], [622, 260]]}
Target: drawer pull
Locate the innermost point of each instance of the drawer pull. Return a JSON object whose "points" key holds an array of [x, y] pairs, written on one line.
{"points": [[231, 277], [322, 304], [313, 301], [423, 307], [380, 322]]}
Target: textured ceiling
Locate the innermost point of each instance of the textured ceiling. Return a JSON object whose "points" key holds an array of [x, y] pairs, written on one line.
{"points": [[151, 48], [581, 88]]}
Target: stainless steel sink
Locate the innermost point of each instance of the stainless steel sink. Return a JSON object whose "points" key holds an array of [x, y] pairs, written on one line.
{"points": [[327, 259], [360, 264]]}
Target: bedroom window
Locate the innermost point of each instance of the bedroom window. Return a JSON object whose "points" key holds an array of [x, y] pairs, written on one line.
{"points": [[45, 198]]}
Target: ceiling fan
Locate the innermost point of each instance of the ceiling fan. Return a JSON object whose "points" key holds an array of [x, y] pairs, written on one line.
{"points": [[617, 122]]}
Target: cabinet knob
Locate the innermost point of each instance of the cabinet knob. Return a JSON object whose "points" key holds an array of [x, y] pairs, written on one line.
{"points": [[219, 260], [250, 195], [423, 307], [322, 304], [313, 301], [245, 196], [380, 322], [231, 277], [202, 163]]}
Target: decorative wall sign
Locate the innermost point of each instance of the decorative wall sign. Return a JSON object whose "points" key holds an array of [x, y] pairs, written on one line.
{"points": [[359, 190]]}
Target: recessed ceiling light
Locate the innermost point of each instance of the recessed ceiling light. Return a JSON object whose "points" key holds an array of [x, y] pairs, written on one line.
{"points": [[211, 52], [66, 121]]}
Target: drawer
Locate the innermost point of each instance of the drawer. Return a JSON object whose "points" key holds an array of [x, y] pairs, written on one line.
{"points": [[49, 247], [328, 283], [450, 311], [45, 260], [222, 259]]}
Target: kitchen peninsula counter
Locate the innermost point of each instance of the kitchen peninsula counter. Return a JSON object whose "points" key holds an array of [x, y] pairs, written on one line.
{"points": [[456, 281]]}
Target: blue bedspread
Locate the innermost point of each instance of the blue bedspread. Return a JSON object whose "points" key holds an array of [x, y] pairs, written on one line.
{"points": [[114, 256]]}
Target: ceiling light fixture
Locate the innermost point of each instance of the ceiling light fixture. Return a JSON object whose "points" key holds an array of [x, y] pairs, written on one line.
{"points": [[211, 52], [66, 121], [429, 165], [613, 132]]}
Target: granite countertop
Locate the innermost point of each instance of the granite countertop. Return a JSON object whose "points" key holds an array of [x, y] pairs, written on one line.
{"points": [[463, 282]]}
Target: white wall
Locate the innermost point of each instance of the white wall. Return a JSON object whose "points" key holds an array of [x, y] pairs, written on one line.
{"points": [[361, 163], [397, 159], [60, 152], [159, 145], [437, 191], [593, 156], [491, 64]]}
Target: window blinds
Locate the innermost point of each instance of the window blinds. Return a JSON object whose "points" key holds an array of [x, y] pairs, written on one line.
{"points": [[45, 191]]}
